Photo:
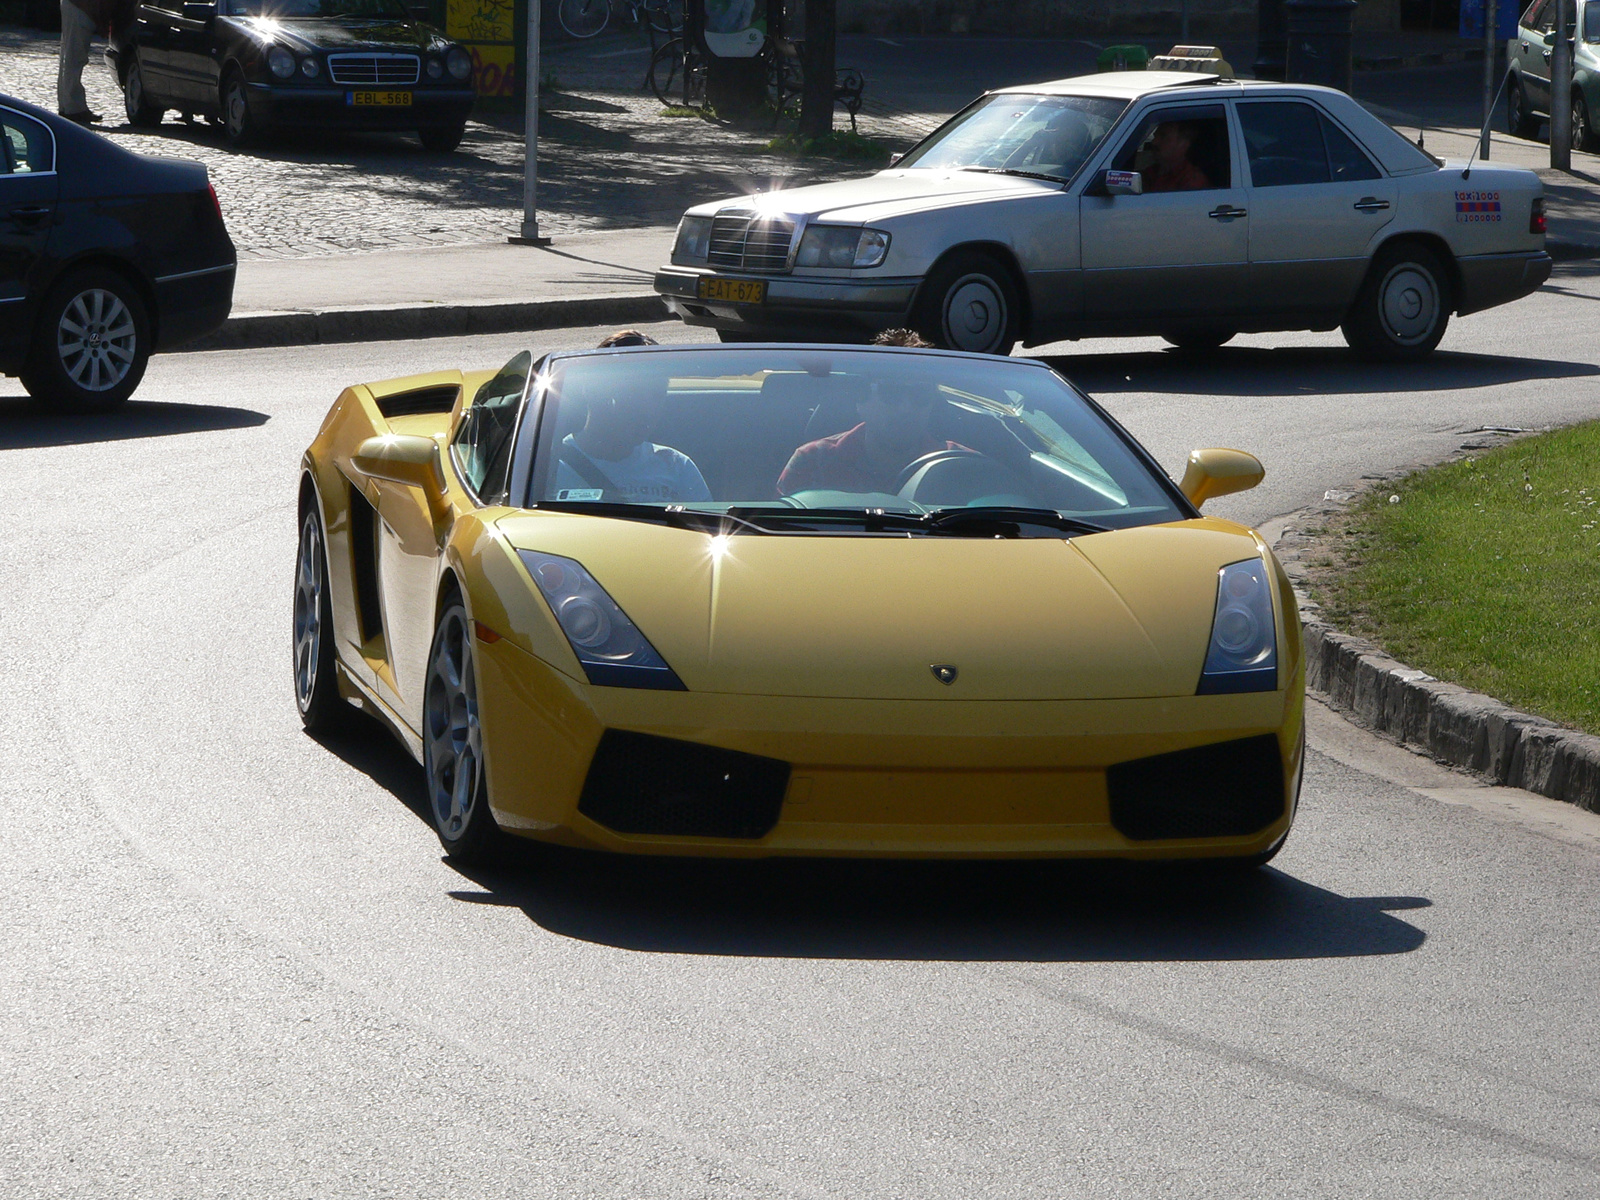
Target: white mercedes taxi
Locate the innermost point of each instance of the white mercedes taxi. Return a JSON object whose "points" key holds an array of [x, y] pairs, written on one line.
{"points": [[1154, 202]]}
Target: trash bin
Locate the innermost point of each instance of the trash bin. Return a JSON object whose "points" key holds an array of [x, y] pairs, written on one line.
{"points": [[1122, 58], [1319, 41]]}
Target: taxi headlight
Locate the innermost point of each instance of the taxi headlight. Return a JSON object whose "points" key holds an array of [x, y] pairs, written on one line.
{"points": [[609, 646], [842, 246], [694, 240], [280, 62], [458, 62], [1243, 655]]}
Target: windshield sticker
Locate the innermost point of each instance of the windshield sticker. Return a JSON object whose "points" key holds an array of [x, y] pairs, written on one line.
{"points": [[1477, 207], [580, 493]]}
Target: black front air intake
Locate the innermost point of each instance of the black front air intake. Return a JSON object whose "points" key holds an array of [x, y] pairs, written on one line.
{"points": [[1226, 789], [639, 783]]}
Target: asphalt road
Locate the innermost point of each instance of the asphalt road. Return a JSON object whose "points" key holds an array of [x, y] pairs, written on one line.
{"points": [[236, 965]]}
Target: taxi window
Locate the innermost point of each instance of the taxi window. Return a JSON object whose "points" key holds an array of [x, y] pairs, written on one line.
{"points": [[1346, 162], [26, 146], [1291, 143], [1180, 149]]}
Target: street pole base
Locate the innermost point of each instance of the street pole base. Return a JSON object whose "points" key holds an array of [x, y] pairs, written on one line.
{"points": [[529, 241]]}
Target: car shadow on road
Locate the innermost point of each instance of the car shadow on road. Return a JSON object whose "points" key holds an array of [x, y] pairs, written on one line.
{"points": [[25, 425], [936, 911], [1300, 370]]}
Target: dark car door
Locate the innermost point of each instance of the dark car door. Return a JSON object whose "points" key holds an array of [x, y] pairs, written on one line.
{"points": [[28, 192], [194, 53], [153, 37]]}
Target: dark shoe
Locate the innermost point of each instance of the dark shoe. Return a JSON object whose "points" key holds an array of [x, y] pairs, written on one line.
{"points": [[83, 118]]}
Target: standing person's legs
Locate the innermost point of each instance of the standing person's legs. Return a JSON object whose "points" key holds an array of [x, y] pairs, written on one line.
{"points": [[77, 30]]}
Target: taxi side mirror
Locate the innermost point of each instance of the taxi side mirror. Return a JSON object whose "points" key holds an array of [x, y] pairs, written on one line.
{"points": [[1123, 183], [1217, 472], [402, 458]]}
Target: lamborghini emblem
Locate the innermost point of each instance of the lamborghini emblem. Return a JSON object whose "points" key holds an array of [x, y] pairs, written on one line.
{"points": [[945, 673]]}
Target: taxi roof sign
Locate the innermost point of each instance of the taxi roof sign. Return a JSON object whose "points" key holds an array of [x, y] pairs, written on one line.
{"points": [[1202, 59]]}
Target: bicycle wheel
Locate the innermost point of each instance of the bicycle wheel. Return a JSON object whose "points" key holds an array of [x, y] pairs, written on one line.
{"points": [[583, 18], [666, 72]]}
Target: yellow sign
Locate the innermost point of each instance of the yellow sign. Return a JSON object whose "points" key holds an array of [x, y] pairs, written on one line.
{"points": [[487, 29]]}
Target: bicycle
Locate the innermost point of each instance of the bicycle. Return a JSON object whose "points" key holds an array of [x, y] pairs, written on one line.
{"points": [[586, 18], [678, 66]]}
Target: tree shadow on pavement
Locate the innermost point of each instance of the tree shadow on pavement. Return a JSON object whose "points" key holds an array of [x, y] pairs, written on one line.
{"points": [[936, 911], [1296, 371], [26, 425]]}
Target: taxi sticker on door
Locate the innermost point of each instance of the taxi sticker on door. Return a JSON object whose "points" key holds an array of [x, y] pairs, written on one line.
{"points": [[1477, 207]]}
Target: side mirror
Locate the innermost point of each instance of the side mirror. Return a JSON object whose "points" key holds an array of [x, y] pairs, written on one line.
{"points": [[1217, 472], [401, 458], [894, 158], [1124, 183], [1548, 38]]}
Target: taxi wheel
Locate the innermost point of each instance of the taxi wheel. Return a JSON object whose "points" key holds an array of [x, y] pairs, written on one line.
{"points": [[452, 743], [968, 302], [141, 111], [91, 344], [238, 126], [1519, 120], [316, 684], [441, 139], [1403, 307], [1197, 341]]}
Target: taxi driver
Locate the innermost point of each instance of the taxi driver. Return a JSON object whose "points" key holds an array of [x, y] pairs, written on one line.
{"points": [[1173, 170]]}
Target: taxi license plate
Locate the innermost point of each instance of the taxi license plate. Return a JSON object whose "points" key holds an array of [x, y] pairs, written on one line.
{"points": [[739, 291], [380, 99]]}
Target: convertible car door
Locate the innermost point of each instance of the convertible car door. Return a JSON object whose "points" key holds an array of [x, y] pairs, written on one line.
{"points": [[1167, 254], [1317, 204]]}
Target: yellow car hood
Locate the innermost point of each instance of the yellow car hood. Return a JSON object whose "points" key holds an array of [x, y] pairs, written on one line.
{"points": [[1113, 615]]}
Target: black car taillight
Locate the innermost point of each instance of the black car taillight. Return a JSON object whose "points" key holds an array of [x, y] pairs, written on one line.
{"points": [[1536, 218]]}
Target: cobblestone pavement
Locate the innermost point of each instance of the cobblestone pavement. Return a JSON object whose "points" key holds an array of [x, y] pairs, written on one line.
{"points": [[608, 159]]}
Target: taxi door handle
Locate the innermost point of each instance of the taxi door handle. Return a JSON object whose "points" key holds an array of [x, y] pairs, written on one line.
{"points": [[1224, 212], [1370, 204]]}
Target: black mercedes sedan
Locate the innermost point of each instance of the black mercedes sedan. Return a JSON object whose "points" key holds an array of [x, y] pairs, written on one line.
{"points": [[260, 65], [105, 256]]}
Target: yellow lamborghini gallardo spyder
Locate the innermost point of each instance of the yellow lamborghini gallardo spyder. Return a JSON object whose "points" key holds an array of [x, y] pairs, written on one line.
{"points": [[797, 600]]}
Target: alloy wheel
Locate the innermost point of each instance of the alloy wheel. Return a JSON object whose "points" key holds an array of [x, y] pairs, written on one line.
{"points": [[235, 114], [453, 737], [308, 585], [975, 316], [1408, 303], [96, 340]]}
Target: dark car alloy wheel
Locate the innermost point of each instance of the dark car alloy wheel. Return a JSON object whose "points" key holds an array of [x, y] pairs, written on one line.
{"points": [[92, 343], [1582, 131], [452, 741], [135, 103], [238, 125], [1519, 120]]}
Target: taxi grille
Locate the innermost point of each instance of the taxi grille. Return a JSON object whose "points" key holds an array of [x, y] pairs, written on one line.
{"points": [[750, 242], [372, 70], [640, 783], [1226, 789]]}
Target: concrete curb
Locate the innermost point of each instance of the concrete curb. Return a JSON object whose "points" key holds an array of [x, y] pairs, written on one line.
{"points": [[1570, 251], [329, 325]]}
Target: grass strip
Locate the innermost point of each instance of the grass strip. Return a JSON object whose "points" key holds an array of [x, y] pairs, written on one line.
{"points": [[1484, 572]]}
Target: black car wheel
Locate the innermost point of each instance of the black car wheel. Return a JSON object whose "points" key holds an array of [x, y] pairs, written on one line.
{"points": [[442, 139], [92, 341], [1198, 341], [452, 742], [238, 126], [1582, 132], [139, 107], [1403, 307], [1519, 120], [968, 302]]}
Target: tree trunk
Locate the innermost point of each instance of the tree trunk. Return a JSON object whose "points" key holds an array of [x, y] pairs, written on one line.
{"points": [[817, 64]]}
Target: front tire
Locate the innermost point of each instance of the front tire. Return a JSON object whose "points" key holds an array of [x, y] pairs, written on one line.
{"points": [[442, 139], [316, 683], [141, 111], [238, 125], [91, 344], [452, 743], [1519, 121], [1582, 131], [1403, 307], [968, 302]]}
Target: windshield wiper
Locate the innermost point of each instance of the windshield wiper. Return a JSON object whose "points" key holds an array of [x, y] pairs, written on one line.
{"points": [[668, 514], [871, 520], [1004, 520], [1015, 171]]}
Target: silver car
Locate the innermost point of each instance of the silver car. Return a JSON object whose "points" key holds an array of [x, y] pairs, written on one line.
{"points": [[1128, 203]]}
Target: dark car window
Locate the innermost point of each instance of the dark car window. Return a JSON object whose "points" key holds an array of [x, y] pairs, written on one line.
{"points": [[27, 148], [1591, 22], [482, 443], [384, 10], [1206, 164], [1541, 16]]}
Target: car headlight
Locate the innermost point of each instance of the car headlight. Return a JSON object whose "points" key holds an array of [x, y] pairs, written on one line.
{"points": [[1243, 655], [309, 68], [842, 246], [458, 62], [612, 650], [280, 62], [435, 68], [694, 240]]}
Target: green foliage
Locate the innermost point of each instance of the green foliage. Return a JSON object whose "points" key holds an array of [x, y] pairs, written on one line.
{"points": [[1486, 572], [841, 144]]}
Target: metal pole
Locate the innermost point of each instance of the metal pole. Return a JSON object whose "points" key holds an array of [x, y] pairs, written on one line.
{"points": [[530, 136], [1490, 58], [1561, 90]]}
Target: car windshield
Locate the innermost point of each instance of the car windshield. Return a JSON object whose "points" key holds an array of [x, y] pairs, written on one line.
{"points": [[1033, 135], [373, 10], [781, 439]]}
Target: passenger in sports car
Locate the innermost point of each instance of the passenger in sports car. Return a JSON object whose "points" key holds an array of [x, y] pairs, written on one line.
{"points": [[612, 457]]}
